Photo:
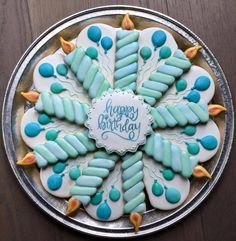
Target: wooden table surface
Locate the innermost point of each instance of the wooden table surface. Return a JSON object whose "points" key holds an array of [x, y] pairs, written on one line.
{"points": [[21, 21]]}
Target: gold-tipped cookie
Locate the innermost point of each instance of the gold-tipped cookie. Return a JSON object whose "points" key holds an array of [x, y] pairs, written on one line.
{"points": [[200, 171], [73, 205], [66, 46], [192, 51], [31, 96], [28, 159], [136, 220], [215, 109], [127, 23]]}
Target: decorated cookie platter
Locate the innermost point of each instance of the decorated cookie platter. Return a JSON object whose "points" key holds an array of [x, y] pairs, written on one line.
{"points": [[118, 121]]}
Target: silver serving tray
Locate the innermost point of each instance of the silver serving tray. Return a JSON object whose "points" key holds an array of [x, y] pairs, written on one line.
{"points": [[14, 106]]}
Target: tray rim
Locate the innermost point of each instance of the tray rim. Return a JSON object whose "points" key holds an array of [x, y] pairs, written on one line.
{"points": [[42, 203]]}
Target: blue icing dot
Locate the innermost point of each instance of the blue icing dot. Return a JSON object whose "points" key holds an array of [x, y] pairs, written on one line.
{"points": [[193, 148], [157, 189], [168, 174], [92, 52], [52, 135], [59, 167], [94, 34], [106, 43], [172, 195], [189, 130], [57, 88], [202, 83], [74, 173], [193, 96], [46, 70], [165, 52], [145, 53], [180, 85], [158, 38], [104, 211], [32, 129], [62, 69], [97, 198], [55, 181], [114, 194], [44, 119], [208, 142]]}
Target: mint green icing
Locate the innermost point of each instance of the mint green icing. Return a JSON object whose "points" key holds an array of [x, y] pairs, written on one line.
{"points": [[166, 74], [170, 155], [87, 72], [62, 107]]}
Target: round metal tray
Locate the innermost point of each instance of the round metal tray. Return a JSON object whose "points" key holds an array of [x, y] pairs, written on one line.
{"points": [[13, 110]]}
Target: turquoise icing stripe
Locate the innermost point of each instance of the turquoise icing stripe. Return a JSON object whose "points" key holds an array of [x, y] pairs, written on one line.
{"points": [[164, 77], [170, 70], [126, 61], [140, 208], [171, 156], [56, 150], [98, 80], [129, 69], [158, 147], [87, 72], [70, 150], [45, 153], [69, 109], [83, 68], [155, 86], [122, 34], [189, 114], [80, 112], [129, 172], [133, 191], [167, 116], [41, 162], [95, 171], [58, 106], [87, 142], [121, 83], [128, 39], [127, 50], [130, 206], [100, 162], [73, 141], [48, 107], [91, 181], [83, 199], [176, 158], [76, 190]]}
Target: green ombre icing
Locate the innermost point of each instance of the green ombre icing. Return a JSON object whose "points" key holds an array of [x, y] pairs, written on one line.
{"points": [[62, 107], [180, 114], [126, 65], [92, 177], [63, 148], [166, 74], [87, 72], [170, 155], [133, 186]]}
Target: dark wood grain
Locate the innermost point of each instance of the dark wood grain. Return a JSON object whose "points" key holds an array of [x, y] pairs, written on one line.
{"points": [[21, 21]]}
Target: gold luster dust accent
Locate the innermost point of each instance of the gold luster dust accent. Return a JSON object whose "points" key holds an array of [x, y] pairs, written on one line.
{"points": [[31, 96], [200, 171], [127, 23], [136, 220], [215, 109], [73, 205], [192, 51], [66, 46], [27, 160]]}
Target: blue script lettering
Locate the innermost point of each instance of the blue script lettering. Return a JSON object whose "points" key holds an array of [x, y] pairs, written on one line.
{"points": [[119, 120]]}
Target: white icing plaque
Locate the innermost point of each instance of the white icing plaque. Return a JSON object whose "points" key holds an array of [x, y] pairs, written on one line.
{"points": [[119, 121]]}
